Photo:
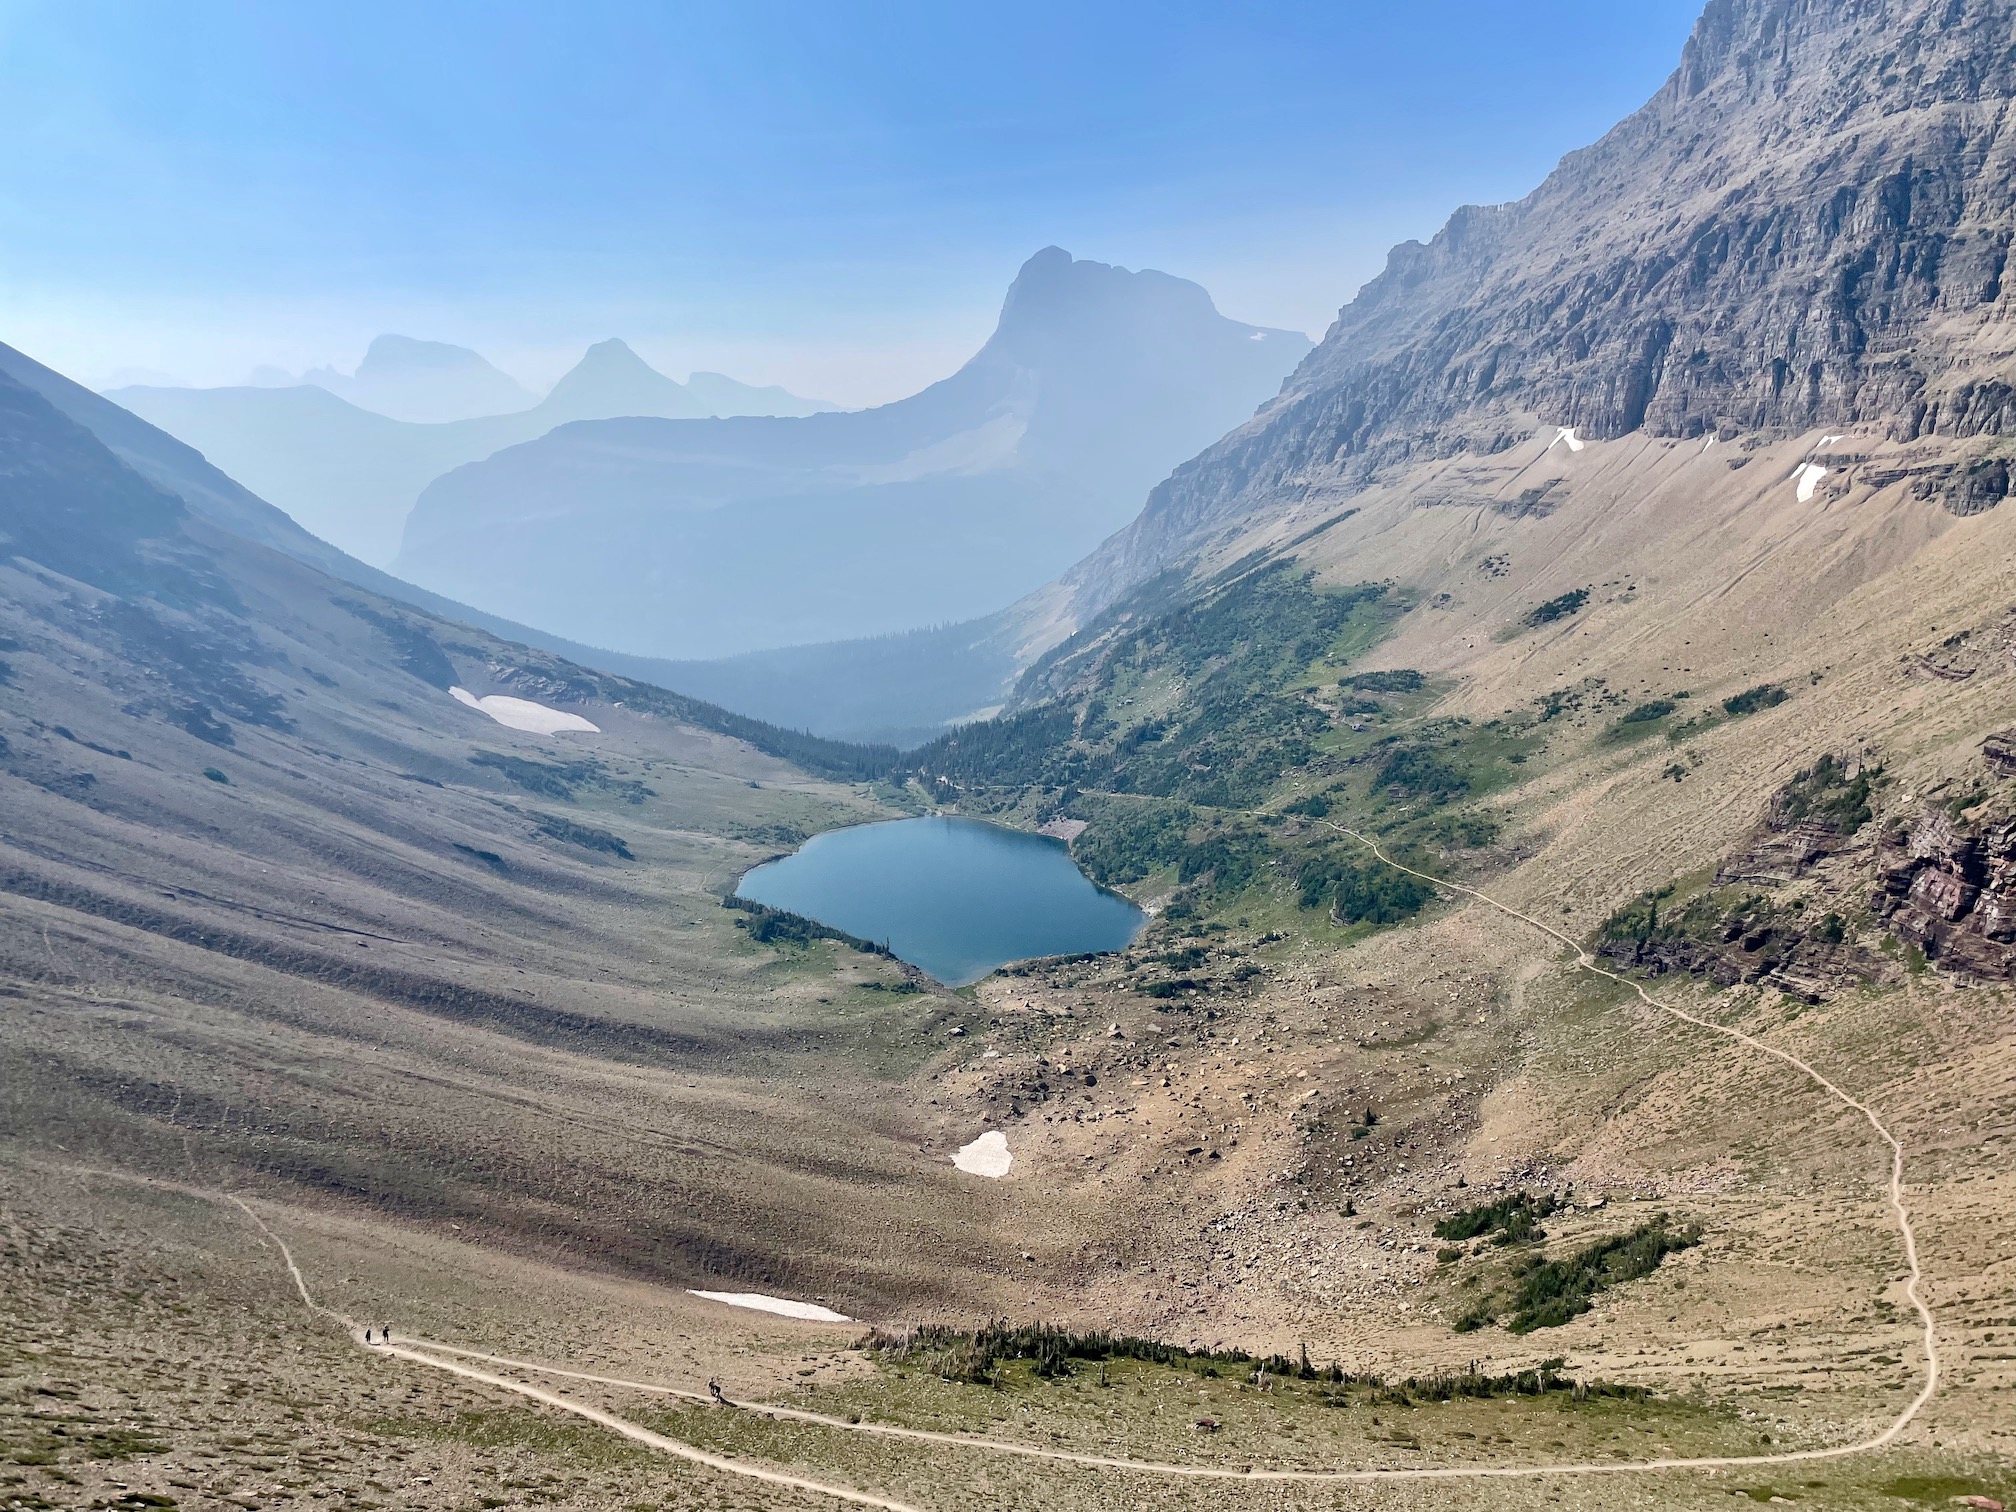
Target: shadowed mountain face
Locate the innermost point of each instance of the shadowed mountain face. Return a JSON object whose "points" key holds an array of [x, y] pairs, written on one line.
{"points": [[901, 690], [350, 474], [1807, 226], [707, 538], [424, 381], [81, 467]]}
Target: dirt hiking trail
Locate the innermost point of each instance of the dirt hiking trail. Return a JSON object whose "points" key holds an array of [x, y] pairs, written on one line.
{"points": [[447, 1357]]}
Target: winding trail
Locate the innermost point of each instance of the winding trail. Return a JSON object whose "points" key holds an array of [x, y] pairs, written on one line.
{"points": [[1588, 963], [609, 1420], [448, 1357]]}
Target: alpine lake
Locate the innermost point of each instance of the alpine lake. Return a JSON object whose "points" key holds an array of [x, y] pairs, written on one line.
{"points": [[955, 898]]}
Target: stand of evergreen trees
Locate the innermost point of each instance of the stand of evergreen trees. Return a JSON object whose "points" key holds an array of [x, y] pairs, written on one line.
{"points": [[975, 1357], [777, 926]]}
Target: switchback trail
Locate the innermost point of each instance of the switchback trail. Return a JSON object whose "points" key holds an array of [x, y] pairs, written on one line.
{"points": [[422, 1352]]}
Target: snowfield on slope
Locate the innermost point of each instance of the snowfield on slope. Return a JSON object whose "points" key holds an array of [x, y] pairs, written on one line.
{"points": [[784, 1307], [987, 1156], [523, 714]]}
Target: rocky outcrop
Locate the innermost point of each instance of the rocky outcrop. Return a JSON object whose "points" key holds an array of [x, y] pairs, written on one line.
{"points": [[1943, 884], [1809, 225], [1780, 854], [1999, 751], [1750, 939], [1748, 927], [1950, 889], [1811, 817], [1819, 812]]}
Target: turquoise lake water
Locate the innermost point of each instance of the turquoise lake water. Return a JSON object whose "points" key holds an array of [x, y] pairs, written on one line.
{"points": [[953, 897]]}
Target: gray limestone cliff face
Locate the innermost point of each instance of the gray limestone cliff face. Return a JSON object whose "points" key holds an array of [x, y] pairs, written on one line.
{"points": [[1808, 225]]}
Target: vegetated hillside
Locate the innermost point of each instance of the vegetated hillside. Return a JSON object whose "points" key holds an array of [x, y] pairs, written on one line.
{"points": [[1805, 229], [350, 474], [1202, 740], [279, 913], [709, 538]]}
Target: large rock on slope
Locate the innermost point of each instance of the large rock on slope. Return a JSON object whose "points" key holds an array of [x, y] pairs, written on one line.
{"points": [[705, 538], [1807, 226]]}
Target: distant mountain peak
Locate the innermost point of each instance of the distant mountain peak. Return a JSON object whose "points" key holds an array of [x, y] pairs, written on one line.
{"points": [[406, 378], [611, 379], [392, 353], [1095, 383], [1060, 305], [615, 355]]}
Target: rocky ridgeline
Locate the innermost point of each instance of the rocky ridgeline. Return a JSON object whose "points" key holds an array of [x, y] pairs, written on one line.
{"points": [[1808, 226]]}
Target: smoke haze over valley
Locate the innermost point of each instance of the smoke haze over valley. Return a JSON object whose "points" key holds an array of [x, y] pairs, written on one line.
{"points": [[1134, 907]]}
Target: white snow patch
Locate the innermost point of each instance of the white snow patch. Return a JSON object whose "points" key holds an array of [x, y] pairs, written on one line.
{"points": [[523, 714], [1567, 434], [1829, 441], [1808, 477], [1705, 445], [784, 1307], [987, 1156]]}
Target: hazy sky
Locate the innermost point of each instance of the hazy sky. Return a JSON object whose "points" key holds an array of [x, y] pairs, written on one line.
{"points": [[828, 195]]}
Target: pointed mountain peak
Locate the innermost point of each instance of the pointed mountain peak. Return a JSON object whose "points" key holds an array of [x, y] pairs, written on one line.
{"points": [[614, 356], [610, 381]]}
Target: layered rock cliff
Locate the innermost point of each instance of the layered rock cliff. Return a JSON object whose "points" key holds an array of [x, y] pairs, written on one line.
{"points": [[1807, 226]]}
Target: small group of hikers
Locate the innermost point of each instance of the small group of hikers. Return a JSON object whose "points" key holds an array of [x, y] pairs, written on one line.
{"points": [[385, 1337]]}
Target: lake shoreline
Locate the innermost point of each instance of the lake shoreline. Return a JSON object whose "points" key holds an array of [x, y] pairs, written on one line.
{"points": [[954, 897]]}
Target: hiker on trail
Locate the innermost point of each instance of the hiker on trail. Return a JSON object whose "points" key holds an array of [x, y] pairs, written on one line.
{"points": [[367, 1336], [714, 1388], [385, 1335]]}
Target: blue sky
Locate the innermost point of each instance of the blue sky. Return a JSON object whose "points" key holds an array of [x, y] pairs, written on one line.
{"points": [[828, 195]]}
